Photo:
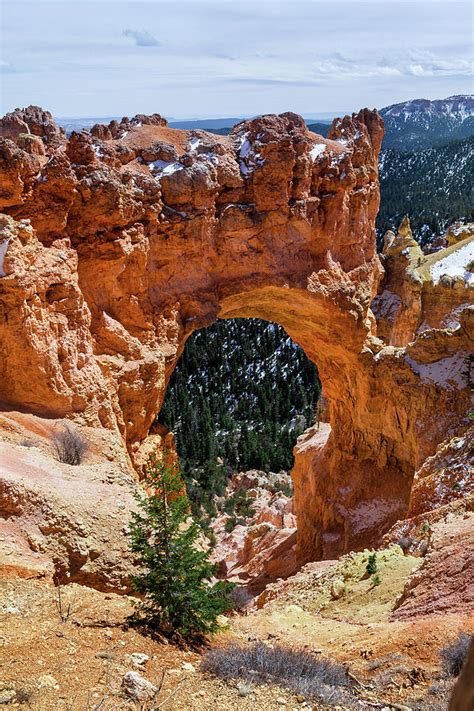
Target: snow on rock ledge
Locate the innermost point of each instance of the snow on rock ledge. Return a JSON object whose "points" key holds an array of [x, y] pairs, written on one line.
{"points": [[455, 264], [3, 251], [451, 372]]}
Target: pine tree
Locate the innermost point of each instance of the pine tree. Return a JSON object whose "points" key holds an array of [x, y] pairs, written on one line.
{"points": [[175, 577]]}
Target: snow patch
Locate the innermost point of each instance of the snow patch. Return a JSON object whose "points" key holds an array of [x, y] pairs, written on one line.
{"points": [[449, 373], [248, 158], [194, 144], [386, 305], [245, 147], [454, 264], [317, 150], [452, 320], [163, 167], [3, 251], [336, 159]]}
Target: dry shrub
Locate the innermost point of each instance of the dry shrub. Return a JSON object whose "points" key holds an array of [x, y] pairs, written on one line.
{"points": [[454, 655], [290, 667], [405, 543], [240, 598], [69, 445]]}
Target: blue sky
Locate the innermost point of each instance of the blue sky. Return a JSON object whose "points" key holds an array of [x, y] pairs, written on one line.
{"points": [[203, 58]]}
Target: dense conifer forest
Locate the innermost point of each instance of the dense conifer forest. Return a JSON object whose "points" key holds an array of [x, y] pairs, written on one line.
{"points": [[239, 397], [433, 187]]}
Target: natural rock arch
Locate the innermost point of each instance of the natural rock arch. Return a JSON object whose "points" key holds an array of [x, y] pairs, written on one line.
{"points": [[141, 234]]}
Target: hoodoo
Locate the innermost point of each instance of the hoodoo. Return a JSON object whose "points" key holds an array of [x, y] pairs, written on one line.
{"points": [[115, 245]]}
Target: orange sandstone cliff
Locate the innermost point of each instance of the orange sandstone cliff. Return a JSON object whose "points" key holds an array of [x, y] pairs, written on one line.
{"points": [[115, 245]]}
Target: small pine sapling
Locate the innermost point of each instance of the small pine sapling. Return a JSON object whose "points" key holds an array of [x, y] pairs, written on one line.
{"points": [[179, 598], [371, 566]]}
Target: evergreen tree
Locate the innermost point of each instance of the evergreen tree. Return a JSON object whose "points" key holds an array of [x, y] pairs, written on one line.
{"points": [[175, 577]]}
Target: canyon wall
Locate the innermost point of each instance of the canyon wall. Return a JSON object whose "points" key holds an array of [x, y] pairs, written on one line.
{"points": [[115, 245]]}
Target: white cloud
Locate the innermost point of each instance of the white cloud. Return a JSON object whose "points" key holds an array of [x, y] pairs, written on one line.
{"points": [[219, 57], [142, 38], [416, 69]]}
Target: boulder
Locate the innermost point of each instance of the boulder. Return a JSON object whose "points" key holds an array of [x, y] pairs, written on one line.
{"points": [[137, 688]]}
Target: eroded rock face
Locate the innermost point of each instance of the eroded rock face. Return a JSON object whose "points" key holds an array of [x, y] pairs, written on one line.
{"points": [[261, 547], [443, 582], [439, 528], [62, 522], [421, 292], [116, 245]]}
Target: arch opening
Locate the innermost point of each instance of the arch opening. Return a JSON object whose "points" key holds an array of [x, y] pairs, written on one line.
{"points": [[352, 480], [240, 396]]}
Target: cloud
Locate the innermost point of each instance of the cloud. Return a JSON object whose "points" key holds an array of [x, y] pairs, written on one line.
{"points": [[416, 70], [311, 56], [142, 38], [411, 63], [272, 82]]}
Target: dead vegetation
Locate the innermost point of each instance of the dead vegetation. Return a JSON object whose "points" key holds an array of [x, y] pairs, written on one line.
{"points": [[454, 655], [297, 670], [70, 446]]}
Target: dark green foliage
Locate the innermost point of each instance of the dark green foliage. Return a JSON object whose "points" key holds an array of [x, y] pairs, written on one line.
{"points": [[433, 187], [416, 128], [220, 131], [230, 524], [371, 567], [239, 503], [175, 576], [243, 392], [320, 127]]}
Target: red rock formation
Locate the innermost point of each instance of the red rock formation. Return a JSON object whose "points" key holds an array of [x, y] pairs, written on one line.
{"points": [[410, 300], [443, 583], [58, 521], [262, 546], [439, 527], [140, 234]]}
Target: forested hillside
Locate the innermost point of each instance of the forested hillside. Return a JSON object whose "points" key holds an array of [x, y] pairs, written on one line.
{"points": [[434, 187], [241, 394]]}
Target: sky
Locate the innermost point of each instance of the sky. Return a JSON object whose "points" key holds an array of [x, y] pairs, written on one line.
{"points": [[212, 58]]}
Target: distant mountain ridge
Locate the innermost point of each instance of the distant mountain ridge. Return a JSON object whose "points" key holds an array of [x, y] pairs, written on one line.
{"points": [[409, 125], [421, 123]]}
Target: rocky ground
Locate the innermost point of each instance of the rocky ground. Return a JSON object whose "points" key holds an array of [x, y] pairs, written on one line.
{"points": [[387, 627], [331, 609]]}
